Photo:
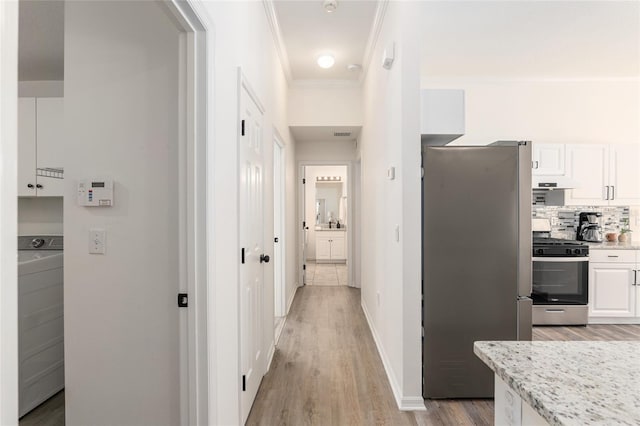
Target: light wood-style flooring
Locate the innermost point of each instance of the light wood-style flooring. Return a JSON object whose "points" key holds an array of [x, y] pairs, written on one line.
{"points": [[327, 371]]}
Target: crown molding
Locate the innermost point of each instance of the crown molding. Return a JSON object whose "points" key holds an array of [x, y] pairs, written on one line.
{"points": [[442, 79], [374, 34], [272, 18]]}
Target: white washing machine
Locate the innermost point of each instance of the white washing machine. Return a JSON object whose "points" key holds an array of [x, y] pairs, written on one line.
{"points": [[40, 319]]}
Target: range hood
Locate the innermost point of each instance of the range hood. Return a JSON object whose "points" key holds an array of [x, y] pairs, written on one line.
{"points": [[553, 182]]}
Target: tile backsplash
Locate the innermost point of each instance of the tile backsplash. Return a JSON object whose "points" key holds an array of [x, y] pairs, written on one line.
{"points": [[564, 219]]}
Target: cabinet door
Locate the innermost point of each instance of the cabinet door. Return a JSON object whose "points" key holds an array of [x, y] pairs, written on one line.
{"points": [[589, 166], [624, 175], [323, 248], [26, 146], [50, 146], [338, 251], [548, 159], [611, 290]]}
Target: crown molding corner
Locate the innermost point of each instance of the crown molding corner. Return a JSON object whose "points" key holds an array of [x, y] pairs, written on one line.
{"points": [[376, 27], [274, 25]]}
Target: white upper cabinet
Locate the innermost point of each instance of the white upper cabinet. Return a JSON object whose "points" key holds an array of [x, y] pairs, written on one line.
{"points": [[26, 147], [624, 175], [589, 166], [548, 159], [40, 147]]}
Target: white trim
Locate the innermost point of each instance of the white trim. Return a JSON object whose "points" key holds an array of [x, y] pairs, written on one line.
{"points": [[8, 213], [405, 403], [376, 27], [290, 302], [605, 320], [270, 354], [278, 41], [321, 84], [282, 226], [426, 80]]}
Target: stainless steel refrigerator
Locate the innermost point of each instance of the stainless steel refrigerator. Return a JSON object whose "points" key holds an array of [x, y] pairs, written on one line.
{"points": [[476, 260]]}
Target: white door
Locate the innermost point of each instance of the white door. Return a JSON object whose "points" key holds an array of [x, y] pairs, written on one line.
{"points": [[624, 175], [278, 229], [589, 166], [304, 233], [251, 241], [338, 251], [611, 290]]}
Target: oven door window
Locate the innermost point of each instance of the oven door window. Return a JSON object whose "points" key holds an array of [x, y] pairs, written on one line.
{"points": [[560, 281]]}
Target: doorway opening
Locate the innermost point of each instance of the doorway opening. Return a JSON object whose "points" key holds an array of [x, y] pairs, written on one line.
{"points": [[326, 217], [176, 224]]}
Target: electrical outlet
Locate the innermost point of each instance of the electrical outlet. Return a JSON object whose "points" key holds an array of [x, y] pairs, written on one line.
{"points": [[97, 241]]}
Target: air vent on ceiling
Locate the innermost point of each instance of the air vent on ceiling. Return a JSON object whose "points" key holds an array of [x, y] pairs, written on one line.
{"points": [[341, 133]]}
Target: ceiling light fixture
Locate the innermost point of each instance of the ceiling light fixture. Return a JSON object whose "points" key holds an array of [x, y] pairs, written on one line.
{"points": [[326, 61], [330, 6]]}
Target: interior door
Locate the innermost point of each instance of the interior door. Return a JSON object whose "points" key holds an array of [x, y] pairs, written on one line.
{"points": [[305, 227], [251, 241], [26, 147]]}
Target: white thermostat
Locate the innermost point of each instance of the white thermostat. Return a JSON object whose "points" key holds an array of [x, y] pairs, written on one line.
{"points": [[95, 192]]}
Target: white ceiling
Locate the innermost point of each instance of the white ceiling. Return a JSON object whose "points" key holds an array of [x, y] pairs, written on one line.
{"points": [[41, 40], [308, 31], [530, 39]]}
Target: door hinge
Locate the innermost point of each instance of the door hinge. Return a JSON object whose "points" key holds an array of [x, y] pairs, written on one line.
{"points": [[304, 267], [304, 224], [242, 255], [242, 130], [304, 181], [244, 383], [183, 300], [275, 240]]}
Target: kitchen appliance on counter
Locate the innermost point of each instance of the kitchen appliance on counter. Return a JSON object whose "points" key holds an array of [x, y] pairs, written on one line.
{"points": [[476, 260], [589, 227], [560, 278]]}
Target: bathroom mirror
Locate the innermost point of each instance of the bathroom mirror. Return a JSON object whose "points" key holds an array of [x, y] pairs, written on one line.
{"points": [[328, 202]]}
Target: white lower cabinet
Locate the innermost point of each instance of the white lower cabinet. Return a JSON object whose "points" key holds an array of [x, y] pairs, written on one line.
{"points": [[614, 286], [330, 246], [511, 410]]}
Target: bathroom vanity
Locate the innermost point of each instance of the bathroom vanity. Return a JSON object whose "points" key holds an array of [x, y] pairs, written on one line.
{"points": [[331, 245]]}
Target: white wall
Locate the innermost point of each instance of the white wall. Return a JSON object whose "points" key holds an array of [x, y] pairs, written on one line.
{"points": [[121, 121], [338, 151], [562, 111], [325, 106], [311, 173], [242, 38], [391, 275], [40, 216]]}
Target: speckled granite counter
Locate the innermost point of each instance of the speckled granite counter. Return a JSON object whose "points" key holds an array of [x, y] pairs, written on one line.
{"points": [[633, 245], [571, 383]]}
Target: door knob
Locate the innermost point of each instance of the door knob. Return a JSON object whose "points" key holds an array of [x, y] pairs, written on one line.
{"points": [[29, 185], [264, 258], [38, 186]]}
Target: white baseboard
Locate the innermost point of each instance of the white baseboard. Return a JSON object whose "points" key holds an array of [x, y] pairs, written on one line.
{"points": [[405, 403], [290, 301], [605, 320], [272, 351]]}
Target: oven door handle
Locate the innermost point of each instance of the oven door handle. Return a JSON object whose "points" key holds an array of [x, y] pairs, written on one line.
{"points": [[561, 259]]}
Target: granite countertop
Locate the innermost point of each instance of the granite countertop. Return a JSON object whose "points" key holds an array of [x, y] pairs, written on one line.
{"points": [[571, 383], [629, 245]]}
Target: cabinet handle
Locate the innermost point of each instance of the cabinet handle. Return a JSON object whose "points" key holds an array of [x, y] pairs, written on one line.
{"points": [[537, 164], [607, 194], [30, 185], [39, 186], [612, 256], [635, 277], [613, 192]]}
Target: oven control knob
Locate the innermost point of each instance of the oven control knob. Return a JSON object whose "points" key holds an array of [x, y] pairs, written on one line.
{"points": [[37, 242], [568, 251], [577, 251], [540, 251]]}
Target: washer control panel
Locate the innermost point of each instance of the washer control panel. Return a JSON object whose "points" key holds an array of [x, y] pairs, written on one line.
{"points": [[95, 192]]}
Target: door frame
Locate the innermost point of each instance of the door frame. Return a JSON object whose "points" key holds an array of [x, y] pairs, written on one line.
{"points": [[351, 255], [280, 249], [196, 97]]}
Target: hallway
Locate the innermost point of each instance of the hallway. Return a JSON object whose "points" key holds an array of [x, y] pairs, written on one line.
{"points": [[327, 371]]}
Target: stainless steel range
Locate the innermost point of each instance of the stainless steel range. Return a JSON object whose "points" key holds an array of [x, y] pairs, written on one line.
{"points": [[560, 282]]}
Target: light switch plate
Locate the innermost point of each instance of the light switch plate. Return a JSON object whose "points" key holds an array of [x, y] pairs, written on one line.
{"points": [[391, 173], [97, 241]]}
